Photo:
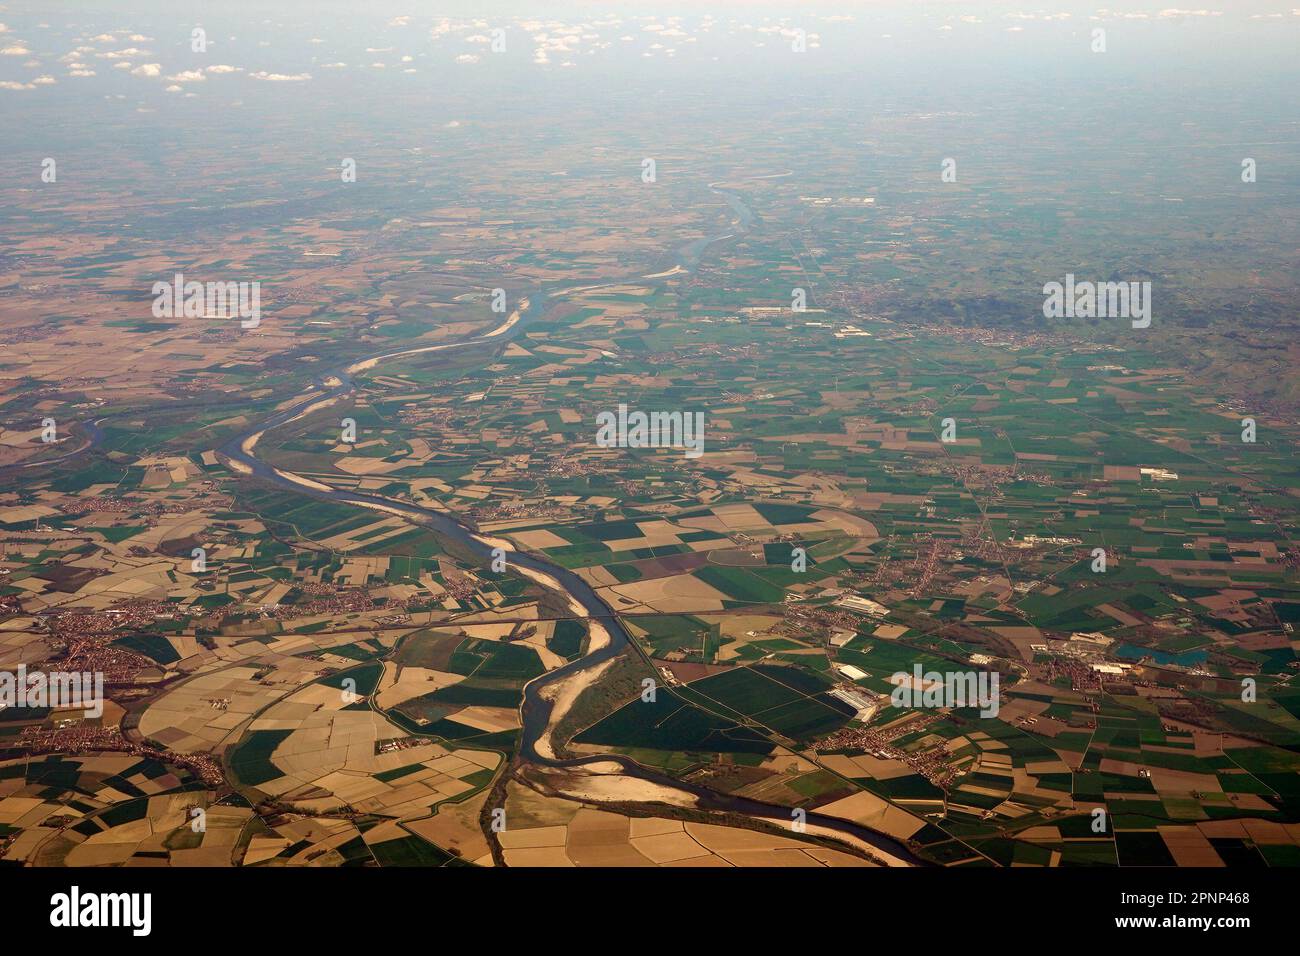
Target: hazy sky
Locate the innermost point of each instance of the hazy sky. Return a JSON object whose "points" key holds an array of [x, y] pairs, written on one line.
{"points": [[75, 76]]}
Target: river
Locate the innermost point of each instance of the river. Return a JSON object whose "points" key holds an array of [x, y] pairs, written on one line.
{"points": [[331, 387]]}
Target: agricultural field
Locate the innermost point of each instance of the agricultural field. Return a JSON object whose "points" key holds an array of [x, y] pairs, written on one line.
{"points": [[393, 577]]}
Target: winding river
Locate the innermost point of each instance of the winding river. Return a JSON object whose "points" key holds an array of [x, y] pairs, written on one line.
{"points": [[536, 709]]}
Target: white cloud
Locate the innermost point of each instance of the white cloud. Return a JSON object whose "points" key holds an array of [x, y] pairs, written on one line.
{"points": [[225, 68], [468, 58], [16, 49], [148, 69], [45, 81], [280, 77], [188, 76]]}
